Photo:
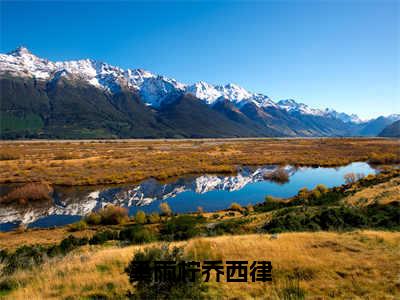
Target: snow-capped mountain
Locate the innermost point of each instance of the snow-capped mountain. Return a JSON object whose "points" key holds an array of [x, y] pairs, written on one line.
{"points": [[291, 105], [88, 98], [154, 89], [353, 118]]}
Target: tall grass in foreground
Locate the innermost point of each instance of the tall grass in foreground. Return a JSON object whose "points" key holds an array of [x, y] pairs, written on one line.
{"points": [[354, 265]]}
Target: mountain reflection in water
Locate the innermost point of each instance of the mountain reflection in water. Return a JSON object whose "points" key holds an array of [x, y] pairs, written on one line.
{"points": [[211, 192]]}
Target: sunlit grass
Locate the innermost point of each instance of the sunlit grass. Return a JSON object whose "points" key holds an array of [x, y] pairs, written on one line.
{"points": [[103, 162], [348, 265]]}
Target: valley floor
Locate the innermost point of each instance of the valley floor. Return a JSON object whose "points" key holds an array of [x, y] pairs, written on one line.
{"points": [[130, 161]]}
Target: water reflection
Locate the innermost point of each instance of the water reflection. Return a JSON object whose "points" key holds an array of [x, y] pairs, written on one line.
{"points": [[211, 192]]}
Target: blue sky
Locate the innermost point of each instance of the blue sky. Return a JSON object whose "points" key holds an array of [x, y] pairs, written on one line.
{"points": [[338, 54]]}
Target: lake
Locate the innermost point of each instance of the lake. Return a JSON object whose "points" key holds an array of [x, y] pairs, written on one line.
{"points": [[186, 194]]}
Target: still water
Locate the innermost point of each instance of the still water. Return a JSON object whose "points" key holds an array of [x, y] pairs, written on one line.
{"points": [[186, 194]]}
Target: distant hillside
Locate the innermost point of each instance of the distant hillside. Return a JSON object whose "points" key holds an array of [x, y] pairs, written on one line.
{"points": [[393, 130]]}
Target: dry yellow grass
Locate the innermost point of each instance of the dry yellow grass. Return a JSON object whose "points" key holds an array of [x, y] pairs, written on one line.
{"points": [[14, 239], [383, 193], [102, 162], [355, 265]]}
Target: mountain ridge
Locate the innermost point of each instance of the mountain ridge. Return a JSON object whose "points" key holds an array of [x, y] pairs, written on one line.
{"points": [[87, 95]]}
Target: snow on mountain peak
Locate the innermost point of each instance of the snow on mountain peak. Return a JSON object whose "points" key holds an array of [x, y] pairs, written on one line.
{"points": [[154, 89], [204, 91], [20, 51], [233, 92], [291, 105]]}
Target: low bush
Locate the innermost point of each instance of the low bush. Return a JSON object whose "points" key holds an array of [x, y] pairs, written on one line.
{"points": [[78, 226], [234, 226], [109, 215], [154, 218], [165, 209], [103, 236], [7, 285], [181, 227], [113, 215], [93, 218], [25, 257], [336, 218], [271, 203], [140, 217], [236, 207], [137, 235]]}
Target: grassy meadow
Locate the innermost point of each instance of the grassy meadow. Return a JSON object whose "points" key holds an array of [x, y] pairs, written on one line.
{"points": [[123, 161], [353, 265]]}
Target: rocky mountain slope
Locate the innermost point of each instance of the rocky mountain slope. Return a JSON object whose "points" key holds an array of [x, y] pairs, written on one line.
{"points": [[91, 99], [393, 130]]}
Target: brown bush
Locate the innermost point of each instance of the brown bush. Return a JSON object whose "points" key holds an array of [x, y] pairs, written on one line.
{"points": [[279, 176], [109, 215], [33, 191], [165, 209], [113, 215], [236, 207]]}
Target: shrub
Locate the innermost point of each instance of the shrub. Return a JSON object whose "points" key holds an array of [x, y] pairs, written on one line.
{"points": [[25, 257], [33, 191], [181, 227], [78, 226], [233, 226], [71, 242], [316, 194], [303, 194], [103, 236], [113, 215], [215, 216], [322, 188], [165, 209], [7, 285], [236, 207], [137, 235], [250, 208], [93, 218], [140, 217], [279, 176], [154, 218], [171, 289], [109, 215], [336, 218]]}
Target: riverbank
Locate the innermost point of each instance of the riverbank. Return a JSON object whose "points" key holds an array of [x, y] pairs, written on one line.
{"points": [[130, 161]]}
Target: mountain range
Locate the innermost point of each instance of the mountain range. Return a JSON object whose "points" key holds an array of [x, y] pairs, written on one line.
{"points": [[392, 130], [91, 99]]}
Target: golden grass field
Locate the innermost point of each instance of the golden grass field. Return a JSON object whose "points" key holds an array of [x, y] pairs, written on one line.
{"points": [[120, 161], [354, 265]]}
